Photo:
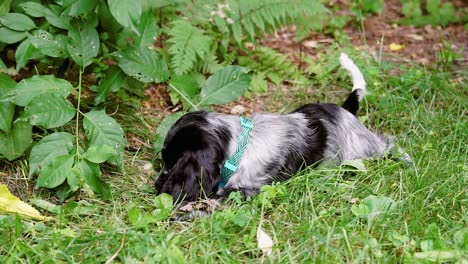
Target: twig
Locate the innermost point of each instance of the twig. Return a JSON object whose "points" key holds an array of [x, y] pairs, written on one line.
{"points": [[109, 260]]}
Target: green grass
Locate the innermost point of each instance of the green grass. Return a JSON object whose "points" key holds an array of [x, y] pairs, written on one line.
{"points": [[309, 217]]}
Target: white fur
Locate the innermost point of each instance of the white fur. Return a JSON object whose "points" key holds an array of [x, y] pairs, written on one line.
{"points": [[349, 139], [271, 137], [358, 80]]}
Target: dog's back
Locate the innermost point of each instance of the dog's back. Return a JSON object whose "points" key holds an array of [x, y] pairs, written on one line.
{"points": [[278, 145]]}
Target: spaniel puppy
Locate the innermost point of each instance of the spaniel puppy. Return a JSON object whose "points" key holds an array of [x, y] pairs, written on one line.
{"points": [[199, 144]]}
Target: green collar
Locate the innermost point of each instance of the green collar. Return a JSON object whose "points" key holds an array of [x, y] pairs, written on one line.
{"points": [[230, 166]]}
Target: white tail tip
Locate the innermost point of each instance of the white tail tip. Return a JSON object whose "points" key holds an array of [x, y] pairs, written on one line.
{"points": [[356, 75]]}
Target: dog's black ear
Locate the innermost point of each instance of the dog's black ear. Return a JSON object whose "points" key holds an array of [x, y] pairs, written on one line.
{"points": [[194, 176]]}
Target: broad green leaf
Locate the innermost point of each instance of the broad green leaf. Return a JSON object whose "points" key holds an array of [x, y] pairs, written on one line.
{"points": [[411, 8], [163, 201], [186, 88], [242, 218], [27, 89], [126, 12], [46, 205], [99, 153], [106, 20], [225, 85], [25, 52], [56, 171], [125, 39], [14, 143], [4, 6], [6, 84], [7, 109], [50, 147], [61, 21], [48, 111], [113, 80], [433, 6], [360, 210], [34, 9], [3, 67], [102, 129], [80, 7], [460, 237], [134, 215], [17, 21], [163, 128], [440, 256], [84, 43], [143, 64], [92, 173], [357, 164], [12, 204], [48, 44], [9, 36], [379, 205], [164, 205], [148, 28], [73, 179]]}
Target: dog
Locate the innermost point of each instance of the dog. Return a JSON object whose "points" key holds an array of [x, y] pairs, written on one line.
{"points": [[199, 146]]}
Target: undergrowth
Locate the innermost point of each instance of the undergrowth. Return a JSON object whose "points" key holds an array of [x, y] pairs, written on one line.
{"points": [[317, 216], [388, 212]]}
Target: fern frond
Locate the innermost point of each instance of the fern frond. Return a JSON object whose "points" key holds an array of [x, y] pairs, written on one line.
{"points": [[255, 16], [188, 43], [275, 66], [210, 63]]}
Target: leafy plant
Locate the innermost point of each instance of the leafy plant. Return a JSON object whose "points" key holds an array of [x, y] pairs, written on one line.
{"points": [[364, 8], [224, 86], [163, 207], [435, 12], [272, 65], [68, 32], [115, 41], [60, 159], [194, 42]]}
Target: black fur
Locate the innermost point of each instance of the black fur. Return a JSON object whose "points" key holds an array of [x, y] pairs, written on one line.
{"points": [[199, 143], [192, 158], [194, 153], [352, 103]]}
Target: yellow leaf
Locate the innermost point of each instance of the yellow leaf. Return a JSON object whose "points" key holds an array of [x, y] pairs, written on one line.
{"points": [[11, 204], [396, 47]]}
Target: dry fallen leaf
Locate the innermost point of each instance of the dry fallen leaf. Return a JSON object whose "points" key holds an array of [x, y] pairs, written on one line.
{"points": [[265, 243], [12, 204], [238, 110], [208, 205], [396, 47], [415, 37], [310, 44]]}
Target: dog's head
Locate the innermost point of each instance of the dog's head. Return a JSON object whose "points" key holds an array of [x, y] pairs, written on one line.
{"points": [[192, 154]]}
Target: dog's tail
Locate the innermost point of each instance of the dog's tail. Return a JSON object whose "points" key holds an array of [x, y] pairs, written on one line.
{"points": [[359, 84]]}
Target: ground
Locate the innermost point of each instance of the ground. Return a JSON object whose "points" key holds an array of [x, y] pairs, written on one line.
{"points": [[389, 212], [422, 46]]}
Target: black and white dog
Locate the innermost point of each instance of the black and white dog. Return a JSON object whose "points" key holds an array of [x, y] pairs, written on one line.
{"points": [[199, 143]]}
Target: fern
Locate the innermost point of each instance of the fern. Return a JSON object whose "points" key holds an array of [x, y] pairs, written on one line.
{"points": [[275, 66], [188, 42], [250, 17], [246, 19]]}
